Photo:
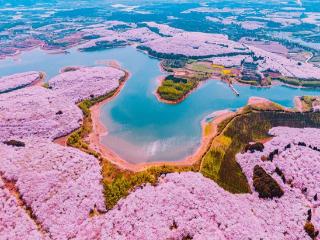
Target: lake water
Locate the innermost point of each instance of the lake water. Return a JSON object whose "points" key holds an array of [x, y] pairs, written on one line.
{"points": [[141, 129]]}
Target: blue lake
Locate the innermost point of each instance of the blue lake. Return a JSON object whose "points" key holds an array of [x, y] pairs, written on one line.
{"points": [[140, 128]]}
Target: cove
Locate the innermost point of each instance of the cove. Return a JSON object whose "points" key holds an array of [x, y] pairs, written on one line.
{"points": [[140, 128]]}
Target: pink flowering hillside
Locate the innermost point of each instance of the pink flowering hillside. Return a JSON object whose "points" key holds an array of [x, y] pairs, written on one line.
{"points": [[18, 80], [189, 205], [61, 187], [292, 158], [15, 223], [139, 35], [159, 120], [164, 29], [87, 82], [196, 44], [287, 67], [36, 112]]}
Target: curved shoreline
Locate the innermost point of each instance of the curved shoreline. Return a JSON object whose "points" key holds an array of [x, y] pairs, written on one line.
{"points": [[209, 132], [236, 83], [160, 99], [99, 130]]}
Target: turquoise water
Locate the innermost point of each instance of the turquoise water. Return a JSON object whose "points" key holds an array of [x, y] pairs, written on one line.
{"points": [[140, 128]]}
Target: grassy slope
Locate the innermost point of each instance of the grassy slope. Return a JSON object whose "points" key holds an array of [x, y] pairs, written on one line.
{"points": [[220, 164]]}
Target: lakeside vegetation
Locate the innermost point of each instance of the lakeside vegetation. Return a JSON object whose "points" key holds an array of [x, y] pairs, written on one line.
{"points": [[310, 103], [219, 164], [102, 45], [309, 83], [186, 74], [160, 55], [117, 183], [175, 89], [77, 138], [169, 65]]}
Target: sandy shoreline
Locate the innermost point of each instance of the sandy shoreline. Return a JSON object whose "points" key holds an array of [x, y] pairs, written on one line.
{"points": [[298, 104], [160, 80], [160, 99], [209, 132], [99, 130], [41, 80]]}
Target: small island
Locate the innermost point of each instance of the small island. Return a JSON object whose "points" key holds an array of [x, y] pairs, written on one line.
{"points": [[186, 75]]}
